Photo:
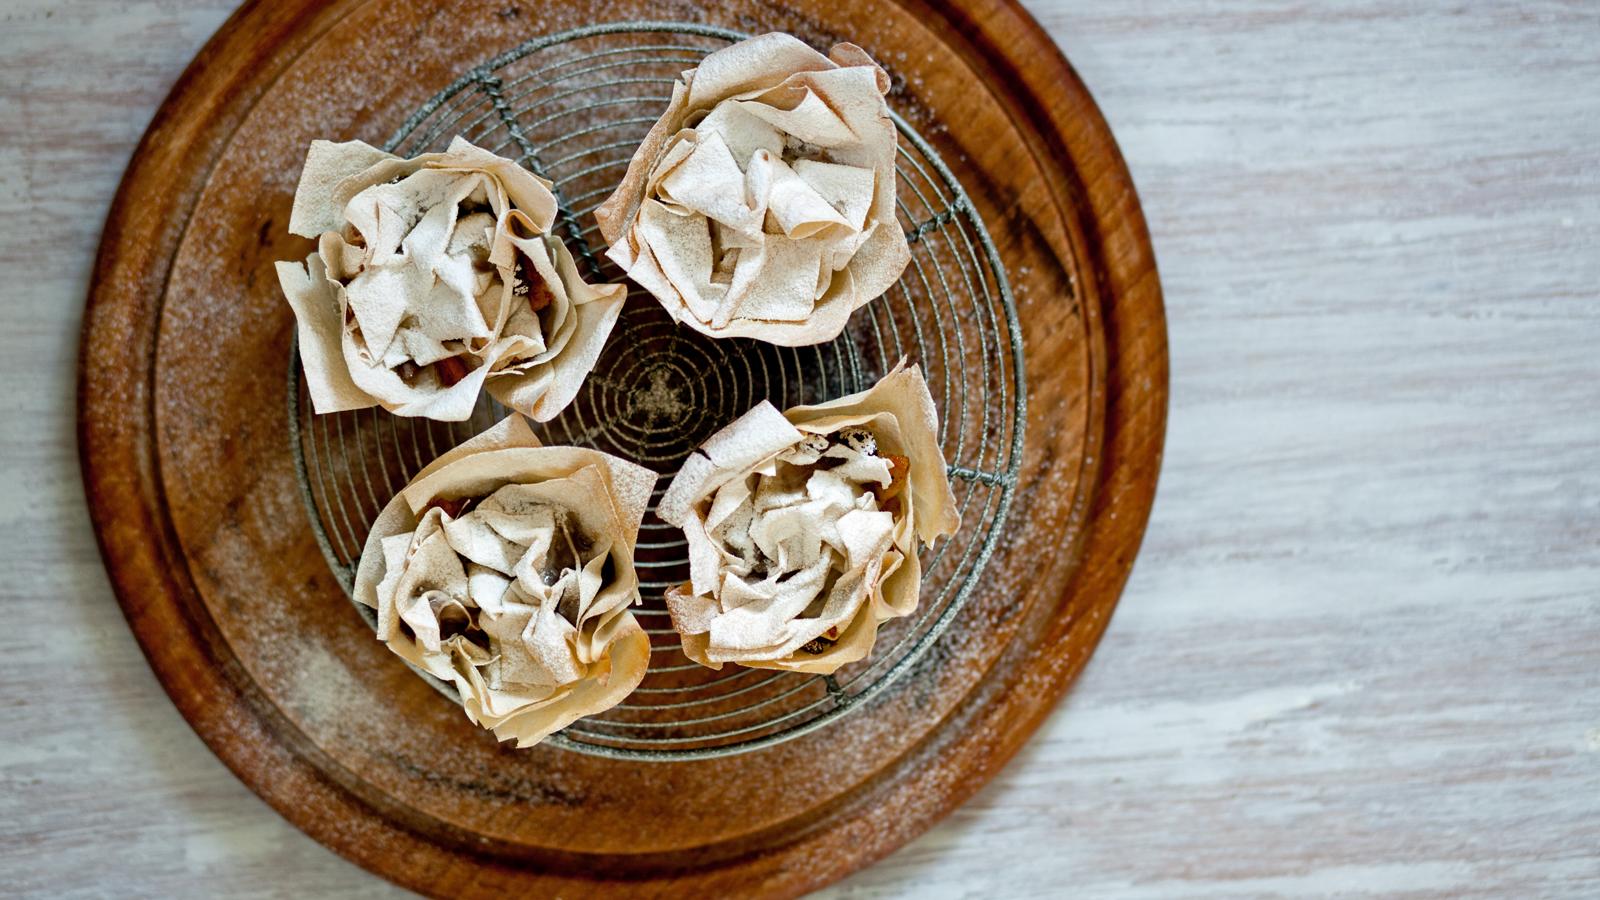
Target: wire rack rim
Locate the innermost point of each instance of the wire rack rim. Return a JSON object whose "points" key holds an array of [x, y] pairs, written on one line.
{"points": [[485, 70]]}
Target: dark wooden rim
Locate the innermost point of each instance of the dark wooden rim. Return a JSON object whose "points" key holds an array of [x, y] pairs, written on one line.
{"points": [[118, 446]]}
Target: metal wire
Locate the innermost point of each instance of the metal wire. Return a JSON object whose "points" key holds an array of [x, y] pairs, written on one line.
{"points": [[572, 107]]}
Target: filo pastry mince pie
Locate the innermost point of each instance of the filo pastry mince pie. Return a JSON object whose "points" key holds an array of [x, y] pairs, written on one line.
{"points": [[762, 203], [803, 527], [506, 569], [435, 278]]}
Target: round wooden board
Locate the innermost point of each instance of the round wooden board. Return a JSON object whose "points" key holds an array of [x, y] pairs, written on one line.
{"points": [[183, 435]]}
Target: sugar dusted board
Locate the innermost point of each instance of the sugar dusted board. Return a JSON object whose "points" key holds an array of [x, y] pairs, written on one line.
{"points": [[184, 438]]}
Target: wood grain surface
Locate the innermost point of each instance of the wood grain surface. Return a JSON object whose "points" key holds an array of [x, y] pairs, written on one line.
{"points": [[1360, 653]]}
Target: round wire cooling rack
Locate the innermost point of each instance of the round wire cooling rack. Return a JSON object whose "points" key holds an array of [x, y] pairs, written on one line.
{"points": [[572, 107]]}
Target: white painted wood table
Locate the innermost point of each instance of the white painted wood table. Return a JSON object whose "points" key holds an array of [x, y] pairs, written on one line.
{"points": [[1360, 653]]}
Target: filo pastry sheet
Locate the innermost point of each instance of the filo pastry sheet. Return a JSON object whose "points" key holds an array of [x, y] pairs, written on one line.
{"points": [[762, 203], [506, 569], [436, 278], [803, 527]]}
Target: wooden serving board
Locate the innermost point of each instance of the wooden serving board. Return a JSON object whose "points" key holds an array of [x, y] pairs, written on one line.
{"points": [[192, 485]]}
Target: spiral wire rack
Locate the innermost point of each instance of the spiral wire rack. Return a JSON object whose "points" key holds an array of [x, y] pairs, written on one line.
{"points": [[572, 107]]}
